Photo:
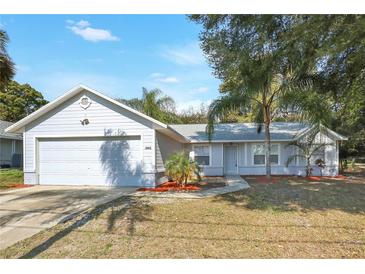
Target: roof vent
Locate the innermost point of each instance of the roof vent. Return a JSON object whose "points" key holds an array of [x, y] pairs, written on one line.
{"points": [[85, 102]]}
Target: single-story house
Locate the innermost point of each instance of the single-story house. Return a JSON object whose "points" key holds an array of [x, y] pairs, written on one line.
{"points": [[87, 138], [11, 147]]}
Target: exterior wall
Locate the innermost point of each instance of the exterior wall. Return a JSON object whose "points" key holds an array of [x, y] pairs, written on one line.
{"points": [[215, 167], [246, 166], [11, 152], [164, 146], [106, 119]]}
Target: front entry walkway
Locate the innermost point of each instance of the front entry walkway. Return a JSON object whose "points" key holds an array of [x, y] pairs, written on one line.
{"points": [[233, 183]]}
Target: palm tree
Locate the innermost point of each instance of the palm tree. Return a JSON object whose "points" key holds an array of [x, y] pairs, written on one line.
{"points": [[7, 67], [308, 148], [263, 101], [154, 104], [181, 168]]}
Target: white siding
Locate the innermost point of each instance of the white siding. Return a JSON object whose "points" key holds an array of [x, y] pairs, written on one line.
{"points": [[216, 155], [246, 166], [106, 119], [164, 147]]}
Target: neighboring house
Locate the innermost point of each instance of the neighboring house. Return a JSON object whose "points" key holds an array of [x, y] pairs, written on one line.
{"points": [[87, 138], [11, 147]]}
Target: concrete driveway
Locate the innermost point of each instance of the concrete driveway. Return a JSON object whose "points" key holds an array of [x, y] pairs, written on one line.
{"points": [[25, 212]]}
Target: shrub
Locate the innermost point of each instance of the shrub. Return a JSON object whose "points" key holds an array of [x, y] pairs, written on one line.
{"points": [[181, 168]]}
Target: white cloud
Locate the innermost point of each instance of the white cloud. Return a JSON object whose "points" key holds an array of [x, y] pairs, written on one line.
{"points": [[189, 54], [83, 29], [199, 90], [160, 77], [83, 24]]}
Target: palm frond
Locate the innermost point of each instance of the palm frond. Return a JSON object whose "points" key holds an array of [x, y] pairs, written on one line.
{"points": [[219, 108], [292, 158]]}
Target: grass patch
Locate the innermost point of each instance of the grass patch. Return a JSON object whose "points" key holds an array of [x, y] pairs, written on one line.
{"points": [[10, 177], [290, 219]]}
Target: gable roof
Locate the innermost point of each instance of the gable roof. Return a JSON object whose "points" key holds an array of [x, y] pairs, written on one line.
{"points": [[8, 135], [280, 131], [53, 104]]}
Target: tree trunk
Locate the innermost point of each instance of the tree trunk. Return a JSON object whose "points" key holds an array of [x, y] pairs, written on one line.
{"points": [[267, 120], [309, 171], [267, 150]]}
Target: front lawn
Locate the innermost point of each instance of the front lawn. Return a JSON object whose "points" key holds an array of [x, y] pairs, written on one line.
{"points": [[10, 177], [292, 218]]}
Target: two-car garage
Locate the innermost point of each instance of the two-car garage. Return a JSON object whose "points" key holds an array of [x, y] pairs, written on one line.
{"points": [[89, 160]]}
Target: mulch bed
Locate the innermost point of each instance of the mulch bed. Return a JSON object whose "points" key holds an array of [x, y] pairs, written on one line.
{"points": [[318, 178], [17, 186], [171, 186]]}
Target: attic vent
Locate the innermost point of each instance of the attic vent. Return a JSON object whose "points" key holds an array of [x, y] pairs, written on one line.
{"points": [[85, 102]]}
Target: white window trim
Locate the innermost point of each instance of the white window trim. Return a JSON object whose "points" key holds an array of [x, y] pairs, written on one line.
{"points": [[253, 155], [210, 153]]}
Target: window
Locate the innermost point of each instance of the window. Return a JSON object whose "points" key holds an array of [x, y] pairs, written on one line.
{"points": [[201, 155], [259, 154]]}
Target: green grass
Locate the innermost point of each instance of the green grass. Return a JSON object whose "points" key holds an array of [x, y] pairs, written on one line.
{"points": [[293, 218], [9, 177]]}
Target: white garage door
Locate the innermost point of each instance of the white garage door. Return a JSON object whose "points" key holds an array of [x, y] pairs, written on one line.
{"points": [[90, 161]]}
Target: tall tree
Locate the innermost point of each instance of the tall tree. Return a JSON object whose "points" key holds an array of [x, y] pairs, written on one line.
{"points": [[261, 71], [7, 68], [154, 104], [18, 101], [194, 116], [341, 73]]}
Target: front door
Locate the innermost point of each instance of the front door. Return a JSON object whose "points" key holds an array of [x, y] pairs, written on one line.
{"points": [[230, 160]]}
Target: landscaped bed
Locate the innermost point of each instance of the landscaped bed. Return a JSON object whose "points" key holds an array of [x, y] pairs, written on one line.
{"points": [[204, 184], [171, 186]]}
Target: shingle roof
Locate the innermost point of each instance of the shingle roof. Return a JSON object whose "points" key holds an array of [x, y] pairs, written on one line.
{"points": [[240, 131], [3, 134]]}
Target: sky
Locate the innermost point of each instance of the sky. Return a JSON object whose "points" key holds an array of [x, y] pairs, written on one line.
{"points": [[114, 54]]}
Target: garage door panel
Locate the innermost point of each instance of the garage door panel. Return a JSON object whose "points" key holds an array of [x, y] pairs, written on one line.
{"points": [[86, 168], [127, 180], [90, 161], [87, 156]]}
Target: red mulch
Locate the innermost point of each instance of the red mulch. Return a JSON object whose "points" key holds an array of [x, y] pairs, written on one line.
{"points": [[18, 186], [317, 178], [171, 186]]}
